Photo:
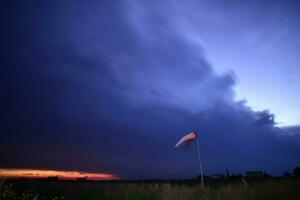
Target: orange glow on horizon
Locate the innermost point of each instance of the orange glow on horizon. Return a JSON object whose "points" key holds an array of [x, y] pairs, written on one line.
{"points": [[62, 175]]}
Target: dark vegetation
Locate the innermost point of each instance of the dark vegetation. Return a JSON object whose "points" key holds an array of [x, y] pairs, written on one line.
{"points": [[256, 185], [270, 188]]}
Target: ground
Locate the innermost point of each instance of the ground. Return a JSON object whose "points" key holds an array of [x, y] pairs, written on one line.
{"points": [[281, 189]]}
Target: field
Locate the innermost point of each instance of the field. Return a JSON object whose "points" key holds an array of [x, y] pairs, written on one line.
{"points": [[281, 189]]}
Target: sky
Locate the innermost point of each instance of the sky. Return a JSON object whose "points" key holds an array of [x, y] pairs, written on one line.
{"points": [[58, 174], [111, 87]]}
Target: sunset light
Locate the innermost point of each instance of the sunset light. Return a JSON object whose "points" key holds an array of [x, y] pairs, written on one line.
{"points": [[61, 175]]}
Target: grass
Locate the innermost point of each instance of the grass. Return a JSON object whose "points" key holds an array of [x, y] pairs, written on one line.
{"points": [[284, 189]]}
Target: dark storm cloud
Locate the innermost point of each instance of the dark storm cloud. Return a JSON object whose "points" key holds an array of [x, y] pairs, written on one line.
{"points": [[105, 87]]}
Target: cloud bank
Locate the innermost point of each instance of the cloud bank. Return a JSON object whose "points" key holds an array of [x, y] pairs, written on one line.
{"points": [[103, 87]]}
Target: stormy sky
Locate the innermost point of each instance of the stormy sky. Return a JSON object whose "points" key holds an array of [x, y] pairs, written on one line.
{"points": [[104, 86]]}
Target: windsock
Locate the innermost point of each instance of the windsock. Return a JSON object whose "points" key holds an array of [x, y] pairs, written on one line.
{"points": [[187, 138]]}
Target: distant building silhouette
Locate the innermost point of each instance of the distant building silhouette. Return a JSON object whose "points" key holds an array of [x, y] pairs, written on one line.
{"points": [[287, 174], [217, 176], [296, 172], [227, 173], [255, 174], [235, 176]]}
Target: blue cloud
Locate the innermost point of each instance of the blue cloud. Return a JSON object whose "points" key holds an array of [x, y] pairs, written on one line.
{"points": [[103, 87]]}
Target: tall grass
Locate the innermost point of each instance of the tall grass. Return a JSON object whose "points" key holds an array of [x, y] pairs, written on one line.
{"points": [[7, 192], [277, 190], [288, 189]]}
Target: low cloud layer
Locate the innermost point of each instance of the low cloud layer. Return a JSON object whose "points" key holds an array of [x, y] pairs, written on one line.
{"points": [[103, 87]]}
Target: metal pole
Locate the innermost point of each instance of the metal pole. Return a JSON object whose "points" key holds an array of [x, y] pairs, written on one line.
{"points": [[201, 170]]}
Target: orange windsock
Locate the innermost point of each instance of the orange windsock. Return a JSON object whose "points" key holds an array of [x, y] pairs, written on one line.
{"points": [[189, 137]]}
